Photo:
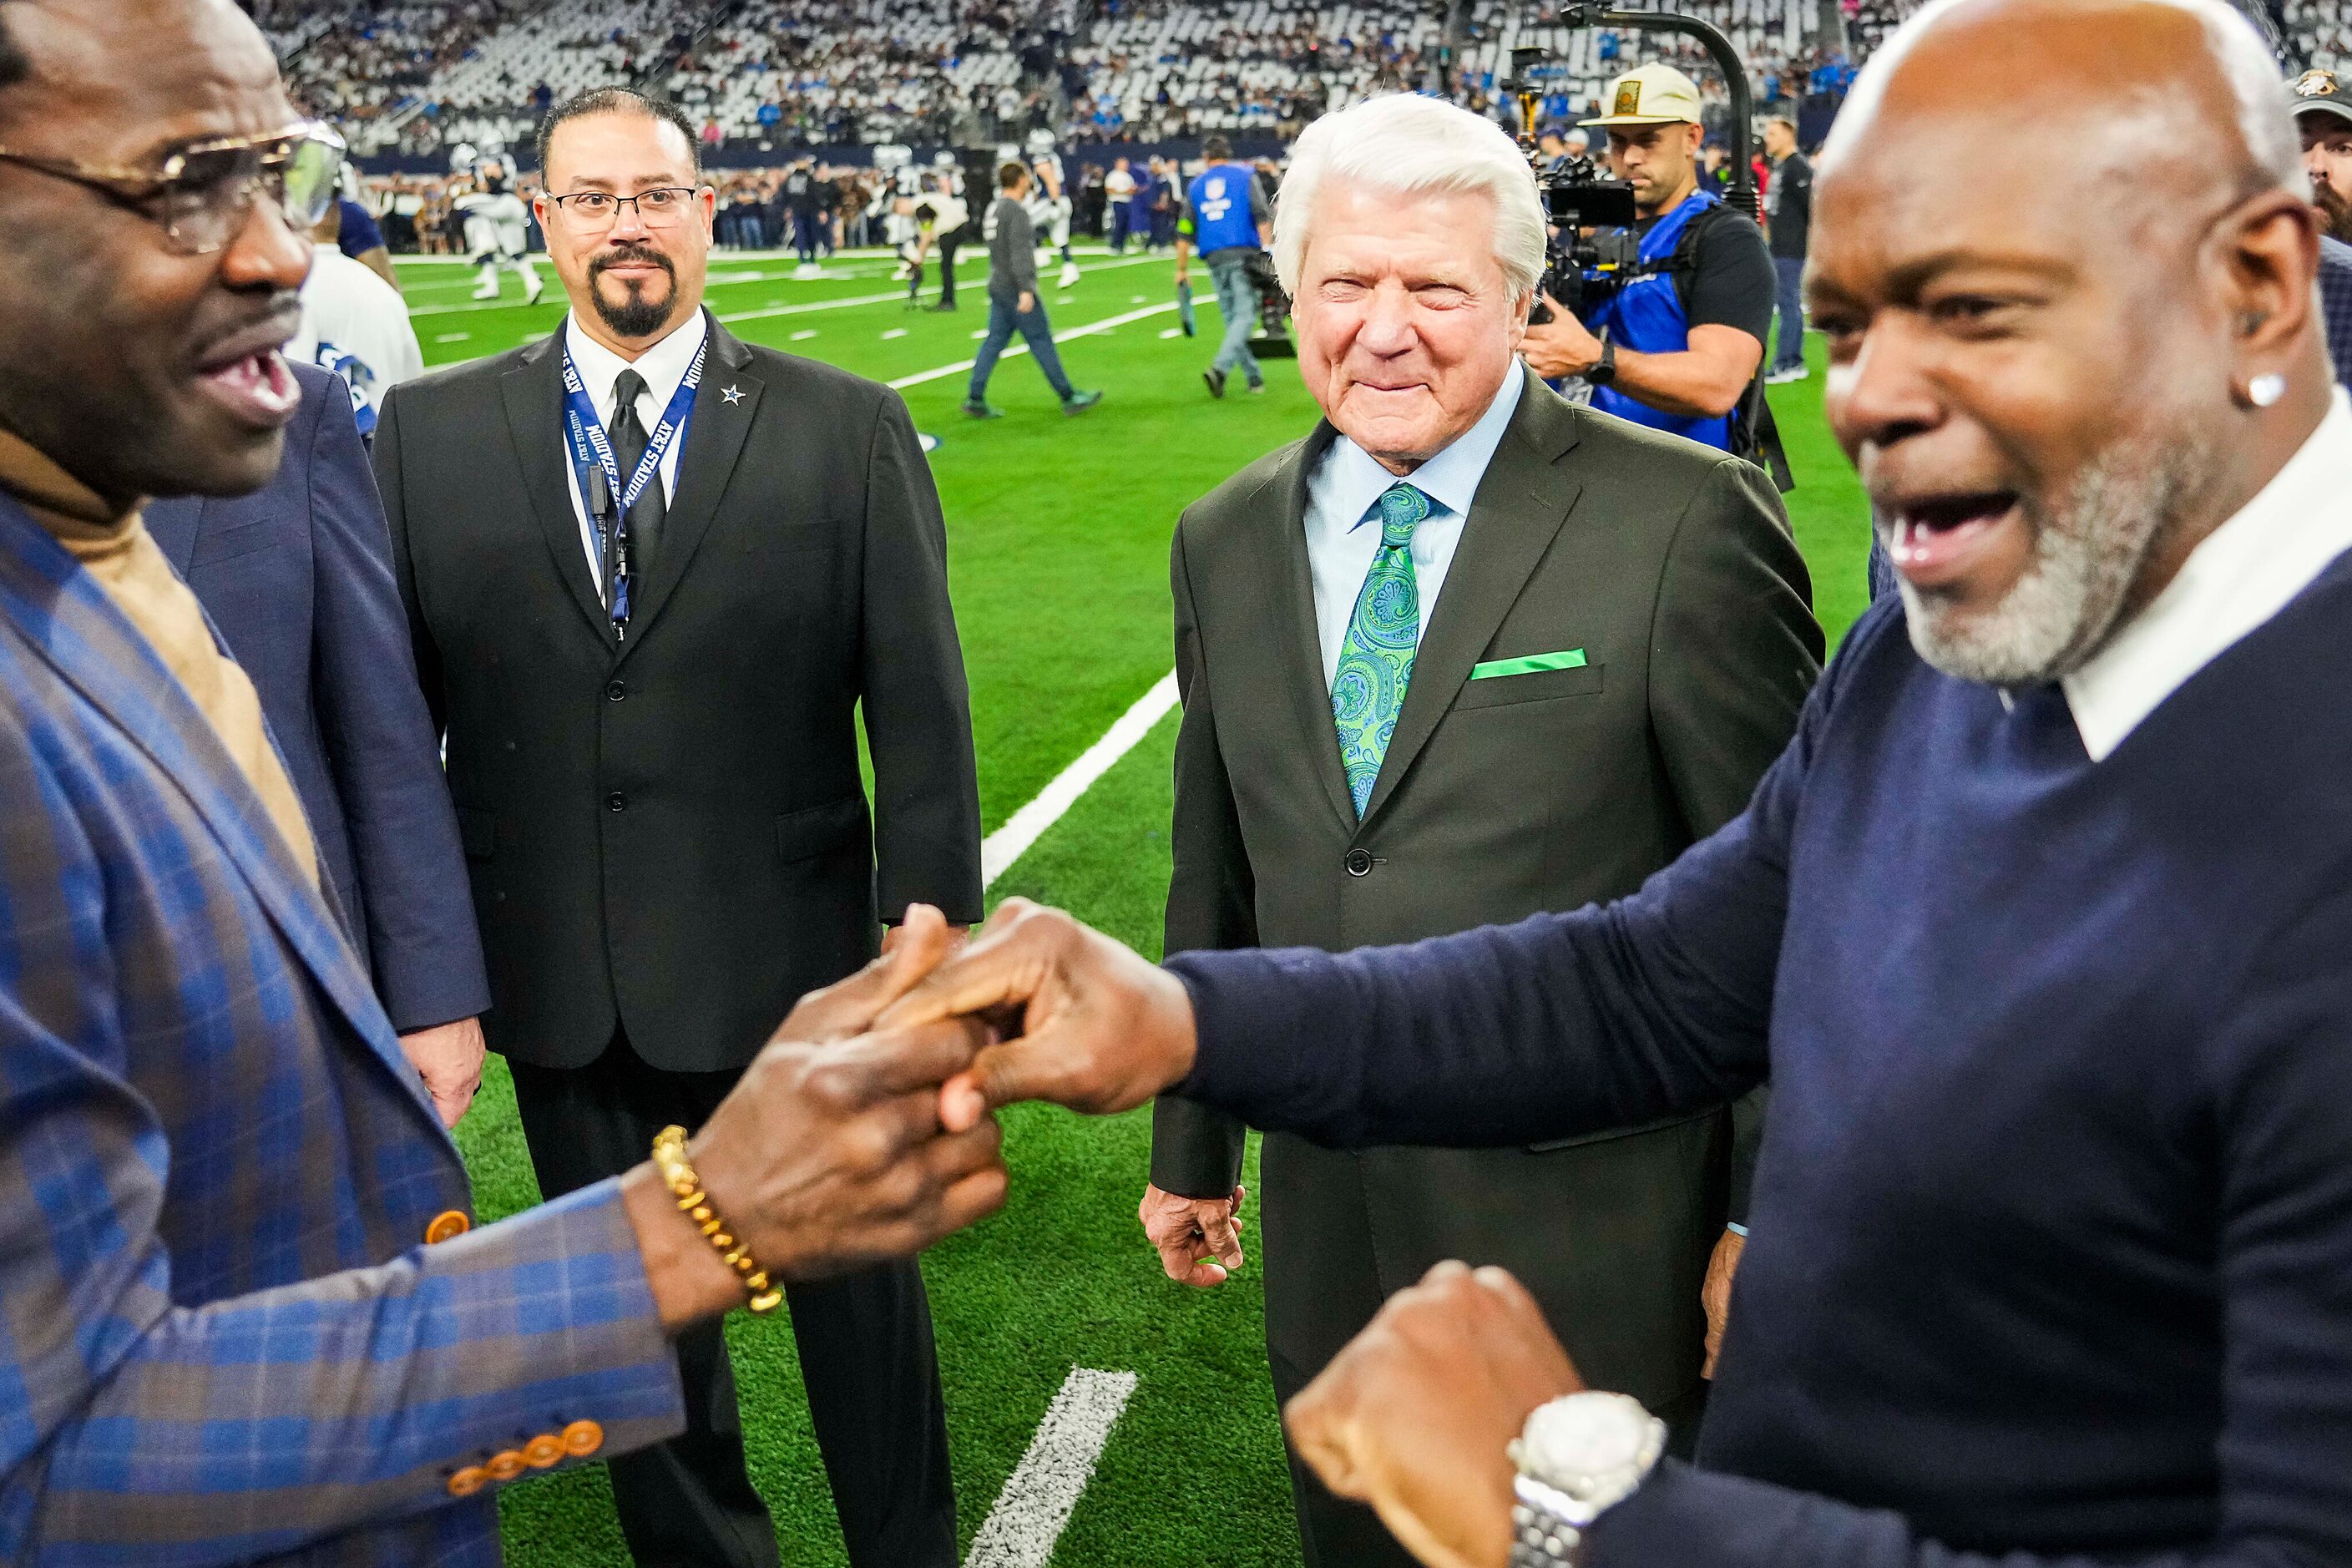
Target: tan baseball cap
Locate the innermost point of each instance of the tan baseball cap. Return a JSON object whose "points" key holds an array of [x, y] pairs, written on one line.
{"points": [[1654, 94], [2322, 92]]}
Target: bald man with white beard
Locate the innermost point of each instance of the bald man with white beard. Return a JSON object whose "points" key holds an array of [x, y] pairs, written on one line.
{"points": [[2039, 925]]}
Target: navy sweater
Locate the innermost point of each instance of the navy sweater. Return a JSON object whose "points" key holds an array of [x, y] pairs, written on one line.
{"points": [[2053, 1246]]}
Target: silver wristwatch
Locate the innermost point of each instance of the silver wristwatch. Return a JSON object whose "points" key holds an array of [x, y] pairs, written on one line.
{"points": [[1578, 1457]]}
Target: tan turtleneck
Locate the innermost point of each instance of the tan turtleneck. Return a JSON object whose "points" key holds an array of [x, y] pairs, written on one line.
{"points": [[119, 551]]}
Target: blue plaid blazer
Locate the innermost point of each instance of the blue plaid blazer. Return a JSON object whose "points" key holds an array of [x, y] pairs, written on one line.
{"points": [[221, 1335]]}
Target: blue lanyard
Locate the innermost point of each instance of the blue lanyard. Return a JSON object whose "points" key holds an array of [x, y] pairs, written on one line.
{"points": [[591, 448]]}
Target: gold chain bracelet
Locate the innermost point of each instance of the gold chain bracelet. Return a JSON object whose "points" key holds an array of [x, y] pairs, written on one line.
{"points": [[669, 1158]]}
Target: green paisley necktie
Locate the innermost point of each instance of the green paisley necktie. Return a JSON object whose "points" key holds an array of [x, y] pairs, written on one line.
{"points": [[1376, 659]]}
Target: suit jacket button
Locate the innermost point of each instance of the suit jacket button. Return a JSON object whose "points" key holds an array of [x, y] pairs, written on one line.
{"points": [[468, 1481], [446, 1227], [506, 1465], [1359, 862], [582, 1438], [543, 1451], [616, 801], [617, 691]]}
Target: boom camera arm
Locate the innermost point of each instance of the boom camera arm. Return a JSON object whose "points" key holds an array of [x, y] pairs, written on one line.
{"points": [[1726, 60]]}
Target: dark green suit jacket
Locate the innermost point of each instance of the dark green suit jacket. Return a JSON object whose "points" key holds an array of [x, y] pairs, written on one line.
{"points": [[1670, 569]]}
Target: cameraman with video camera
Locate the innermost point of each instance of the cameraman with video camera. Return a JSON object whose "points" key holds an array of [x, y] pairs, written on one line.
{"points": [[1678, 347]]}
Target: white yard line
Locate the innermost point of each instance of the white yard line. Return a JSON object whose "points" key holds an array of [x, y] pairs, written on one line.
{"points": [[1037, 1499], [1106, 324], [886, 298], [1025, 827]]}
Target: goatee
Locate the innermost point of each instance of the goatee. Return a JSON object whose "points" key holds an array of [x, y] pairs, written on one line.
{"points": [[637, 316]]}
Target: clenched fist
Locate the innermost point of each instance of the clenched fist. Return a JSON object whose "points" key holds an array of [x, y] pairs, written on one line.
{"points": [[1417, 1414], [1084, 1022]]}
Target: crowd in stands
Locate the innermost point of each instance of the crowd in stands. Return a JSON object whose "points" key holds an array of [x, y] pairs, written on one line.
{"points": [[833, 73], [415, 76], [2323, 30], [1159, 71]]}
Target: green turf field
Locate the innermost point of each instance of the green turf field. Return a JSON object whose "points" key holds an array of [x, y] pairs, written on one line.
{"points": [[1058, 531]]}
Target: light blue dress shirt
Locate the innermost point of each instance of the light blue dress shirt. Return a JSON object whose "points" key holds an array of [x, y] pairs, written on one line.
{"points": [[1342, 536]]}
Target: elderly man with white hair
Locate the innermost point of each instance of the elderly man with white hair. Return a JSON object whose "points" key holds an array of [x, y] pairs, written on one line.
{"points": [[1465, 653]]}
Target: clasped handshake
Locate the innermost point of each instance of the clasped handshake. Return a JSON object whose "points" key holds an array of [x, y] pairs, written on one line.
{"points": [[867, 1130]]}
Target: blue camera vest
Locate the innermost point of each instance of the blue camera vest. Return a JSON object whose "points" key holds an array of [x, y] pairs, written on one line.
{"points": [[1222, 219], [1647, 317]]}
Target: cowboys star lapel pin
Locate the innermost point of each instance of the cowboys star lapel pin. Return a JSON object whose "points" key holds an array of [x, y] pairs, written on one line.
{"points": [[732, 394]]}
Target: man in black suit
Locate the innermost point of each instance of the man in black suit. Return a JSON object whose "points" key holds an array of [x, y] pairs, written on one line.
{"points": [[648, 651], [1621, 645], [298, 579]]}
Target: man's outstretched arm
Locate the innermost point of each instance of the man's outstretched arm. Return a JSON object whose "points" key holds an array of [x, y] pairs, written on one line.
{"points": [[1608, 1017], [260, 1424]]}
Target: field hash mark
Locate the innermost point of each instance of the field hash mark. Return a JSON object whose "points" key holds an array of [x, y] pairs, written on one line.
{"points": [[1045, 1487]]}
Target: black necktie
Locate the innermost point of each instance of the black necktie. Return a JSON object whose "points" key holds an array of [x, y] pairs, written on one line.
{"points": [[646, 518]]}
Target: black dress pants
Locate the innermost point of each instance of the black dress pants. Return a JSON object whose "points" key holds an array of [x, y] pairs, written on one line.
{"points": [[865, 1351], [1610, 1237]]}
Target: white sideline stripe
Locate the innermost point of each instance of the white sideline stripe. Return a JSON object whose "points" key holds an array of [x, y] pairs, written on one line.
{"points": [[875, 298], [805, 306], [1038, 1497], [1106, 324], [1003, 848]]}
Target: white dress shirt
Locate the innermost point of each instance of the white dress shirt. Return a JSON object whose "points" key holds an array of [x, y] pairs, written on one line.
{"points": [[664, 366], [2243, 573], [1343, 535]]}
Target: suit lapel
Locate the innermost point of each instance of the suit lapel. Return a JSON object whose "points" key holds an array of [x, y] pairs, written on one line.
{"points": [[1519, 509], [67, 618], [724, 412], [174, 525], [534, 400], [1289, 580]]}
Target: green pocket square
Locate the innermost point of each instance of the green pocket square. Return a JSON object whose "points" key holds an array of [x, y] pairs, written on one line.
{"points": [[1534, 664]]}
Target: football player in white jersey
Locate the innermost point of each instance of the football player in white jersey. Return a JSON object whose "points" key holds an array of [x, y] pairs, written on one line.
{"points": [[941, 218], [900, 231], [496, 220], [1050, 206]]}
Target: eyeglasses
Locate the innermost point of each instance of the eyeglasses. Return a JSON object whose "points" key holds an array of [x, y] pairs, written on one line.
{"points": [[203, 194], [663, 208]]}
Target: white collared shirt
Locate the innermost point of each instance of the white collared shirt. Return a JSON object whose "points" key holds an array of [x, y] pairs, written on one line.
{"points": [[1342, 539], [2244, 572], [664, 366]]}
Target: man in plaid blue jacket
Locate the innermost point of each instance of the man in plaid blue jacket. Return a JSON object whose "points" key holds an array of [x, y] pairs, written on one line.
{"points": [[243, 1312]]}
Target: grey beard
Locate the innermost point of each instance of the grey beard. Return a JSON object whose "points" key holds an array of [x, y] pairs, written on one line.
{"points": [[2090, 548]]}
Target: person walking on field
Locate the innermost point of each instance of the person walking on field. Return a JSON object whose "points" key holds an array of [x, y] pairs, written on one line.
{"points": [[1013, 302], [1229, 221]]}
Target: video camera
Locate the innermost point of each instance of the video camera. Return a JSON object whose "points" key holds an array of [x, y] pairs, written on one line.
{"points": [[1594, 252]]}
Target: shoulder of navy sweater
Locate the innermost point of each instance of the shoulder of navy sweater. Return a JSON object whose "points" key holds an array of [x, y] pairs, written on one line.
{"points": [[2238, 779]]}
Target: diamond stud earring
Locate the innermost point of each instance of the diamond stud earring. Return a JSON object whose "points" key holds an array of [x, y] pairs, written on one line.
{"points": [[2265, 391]]}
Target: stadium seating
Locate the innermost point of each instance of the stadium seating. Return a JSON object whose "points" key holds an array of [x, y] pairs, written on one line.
{"points": [[2322, 30], [420, 74], [869, 71], [414, 76]]}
